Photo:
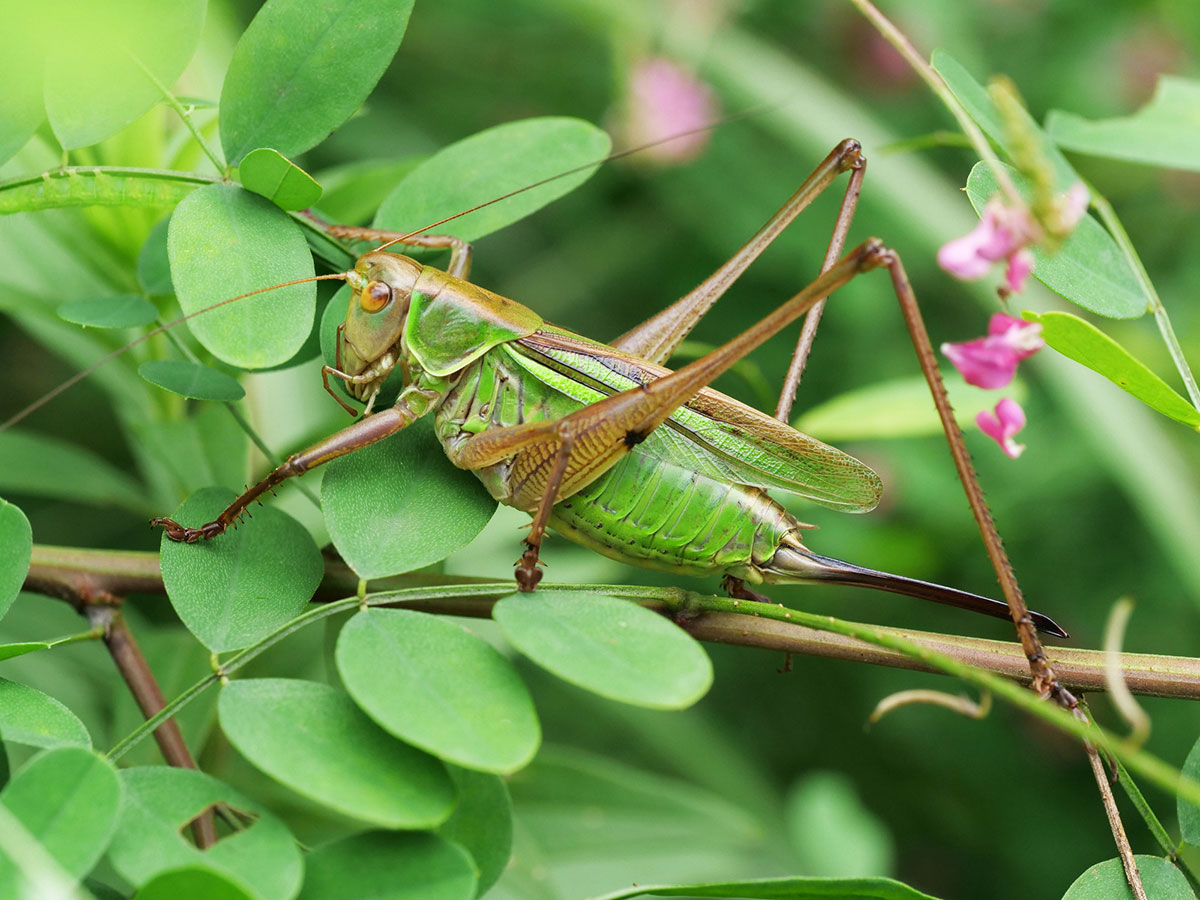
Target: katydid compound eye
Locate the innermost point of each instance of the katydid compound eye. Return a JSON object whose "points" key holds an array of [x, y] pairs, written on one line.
{"points": [[376, 296]]}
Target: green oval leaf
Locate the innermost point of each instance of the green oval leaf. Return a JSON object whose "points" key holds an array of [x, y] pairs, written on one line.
{"points": [[386, 866], [244, 584], [118, 311], [67, 799], [153, 265], [40, 466], [492, 163], [611, 647], [224, 241], [191, 379], [1089, 269], [27, 716], [301, 69], [133, 43], [1089, 346], [432, 683], [1106, 881], [399, 504], [271, 174], [191, 883], [482, 823], [16, 549], [313, 739], [153, 837], [1164, 132]]}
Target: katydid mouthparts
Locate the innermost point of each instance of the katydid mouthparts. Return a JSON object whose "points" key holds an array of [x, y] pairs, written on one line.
{"points": [[599, 441]]}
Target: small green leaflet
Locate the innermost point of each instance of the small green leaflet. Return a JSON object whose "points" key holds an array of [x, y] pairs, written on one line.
{"points": [[270, 173], [1164, 132], [190, 379], [117, 311], [1089, 346]]}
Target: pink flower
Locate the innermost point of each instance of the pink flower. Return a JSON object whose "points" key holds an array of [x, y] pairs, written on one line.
{"points": [[991, 362], [1072, 206], [1002, 233], [665, 100], [1001, 426], [1006, 233]]}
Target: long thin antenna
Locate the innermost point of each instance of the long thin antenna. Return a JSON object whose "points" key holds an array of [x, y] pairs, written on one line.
{"points": [[79, 376], [620, 154]]}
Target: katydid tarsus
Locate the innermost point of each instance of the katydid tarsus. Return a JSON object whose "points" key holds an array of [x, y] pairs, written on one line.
{"points": [[599, 441]]}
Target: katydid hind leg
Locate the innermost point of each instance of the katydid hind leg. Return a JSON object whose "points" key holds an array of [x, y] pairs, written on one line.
{"points": [[656, 339]]}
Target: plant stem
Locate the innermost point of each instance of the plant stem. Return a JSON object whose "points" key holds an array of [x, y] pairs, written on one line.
{"points": [[69, 573], [184, 115], [132, 665], [1109, 217], [1124, 851], [979, 141]]}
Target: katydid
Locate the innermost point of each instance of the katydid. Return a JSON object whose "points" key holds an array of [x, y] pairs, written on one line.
{"points": [[599, 441]]}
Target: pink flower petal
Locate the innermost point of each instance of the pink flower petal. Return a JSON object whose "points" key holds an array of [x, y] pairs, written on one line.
{"points": [[1074, 205], [664, 100], [984, 362], [962, 258], [1023, 338], [991, 362], [1002, 233], [1020, 264], [1003, 425]]}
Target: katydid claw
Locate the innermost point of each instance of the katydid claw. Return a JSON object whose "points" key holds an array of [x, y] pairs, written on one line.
{"points": [[178, 533]]}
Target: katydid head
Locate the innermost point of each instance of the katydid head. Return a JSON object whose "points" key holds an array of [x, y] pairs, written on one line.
{"points": [[369, 340]]}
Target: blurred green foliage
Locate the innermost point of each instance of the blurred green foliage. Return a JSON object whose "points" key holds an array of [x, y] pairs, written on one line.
{"points": [[1103, 503]]}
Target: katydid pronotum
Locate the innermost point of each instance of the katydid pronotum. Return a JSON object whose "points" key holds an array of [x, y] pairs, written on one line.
{"points": [[599, 441]]}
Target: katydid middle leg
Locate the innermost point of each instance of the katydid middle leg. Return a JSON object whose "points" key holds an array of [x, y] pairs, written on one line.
{"points": [[460, 251]]}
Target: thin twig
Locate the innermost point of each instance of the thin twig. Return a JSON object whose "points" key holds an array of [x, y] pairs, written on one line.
{"points": [[929, 75], [132, 665], [1124, 851]]}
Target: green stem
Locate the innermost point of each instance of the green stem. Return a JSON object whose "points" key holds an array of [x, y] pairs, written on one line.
{"points": [[1109, 217], [897, 39], [184, 115]]}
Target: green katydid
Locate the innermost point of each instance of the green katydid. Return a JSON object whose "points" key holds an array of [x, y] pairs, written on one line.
{"points": [[599, 441]]}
